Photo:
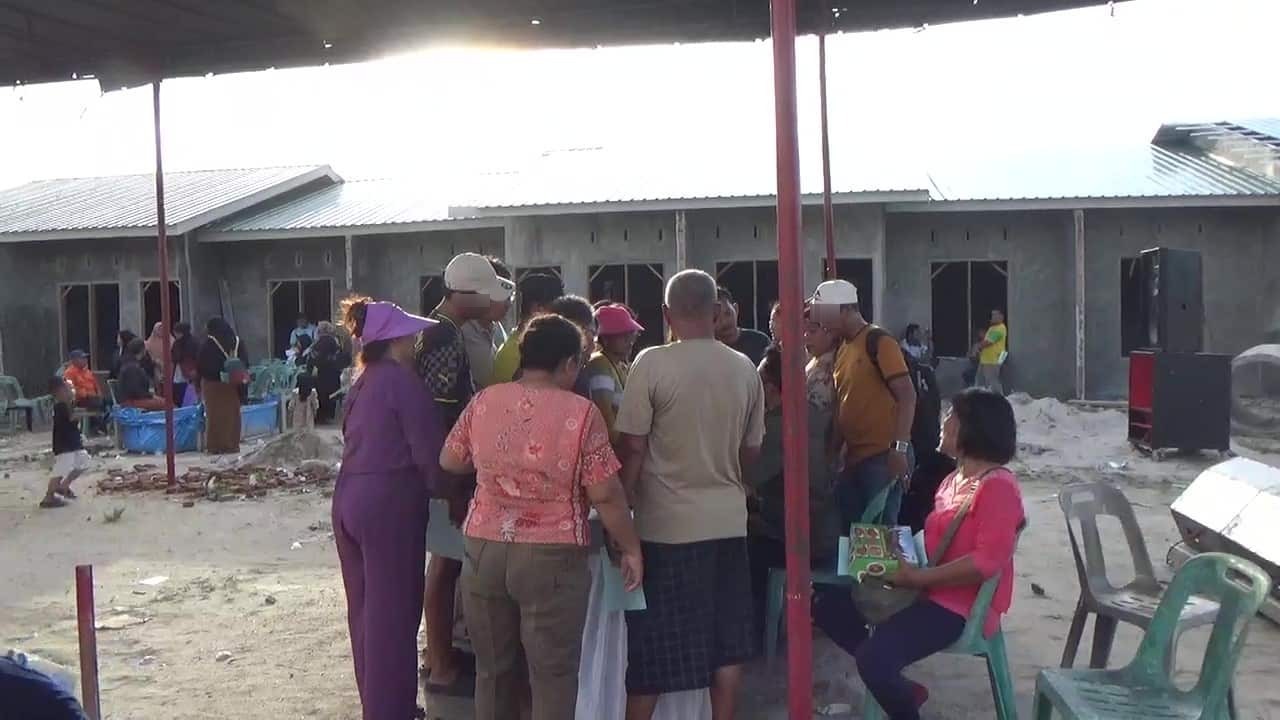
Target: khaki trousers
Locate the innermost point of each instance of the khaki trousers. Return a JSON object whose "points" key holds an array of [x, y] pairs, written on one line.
{"points": [[525, 603]]}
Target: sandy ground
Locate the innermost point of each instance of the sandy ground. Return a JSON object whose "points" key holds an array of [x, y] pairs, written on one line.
{"points": [[259, 580]]}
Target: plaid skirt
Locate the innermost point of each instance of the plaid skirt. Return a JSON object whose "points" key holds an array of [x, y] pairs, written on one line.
{"points": [[698, 616]]}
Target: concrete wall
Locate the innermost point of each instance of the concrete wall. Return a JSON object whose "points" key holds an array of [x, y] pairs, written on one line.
{"points": [[1038, 249], [751, 234], [576, 242], [1241, 250], [30, 297], [390, 267], [1241, 293], [248, 267]]}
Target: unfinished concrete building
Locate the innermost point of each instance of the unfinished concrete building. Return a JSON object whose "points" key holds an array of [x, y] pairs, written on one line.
{"points": [[1042, 237]]}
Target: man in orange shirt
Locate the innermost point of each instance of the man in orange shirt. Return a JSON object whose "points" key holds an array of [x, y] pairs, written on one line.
{"points": [[875, 403], [81, 377], [88, 395]]}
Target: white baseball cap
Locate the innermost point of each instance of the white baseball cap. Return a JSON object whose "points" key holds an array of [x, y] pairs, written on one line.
{"points": [[835, 292], [472, 273]]}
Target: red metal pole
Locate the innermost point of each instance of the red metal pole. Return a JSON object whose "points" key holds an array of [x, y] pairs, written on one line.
{"points": [[795, 415], [828, 214], [166, 317], [88, 642]]}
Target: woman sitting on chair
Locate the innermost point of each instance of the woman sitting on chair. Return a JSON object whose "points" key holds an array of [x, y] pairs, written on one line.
{"points": [[980, 507]]}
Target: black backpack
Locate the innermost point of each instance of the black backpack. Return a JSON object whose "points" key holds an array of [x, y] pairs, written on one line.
{"points": [[927, 425]]}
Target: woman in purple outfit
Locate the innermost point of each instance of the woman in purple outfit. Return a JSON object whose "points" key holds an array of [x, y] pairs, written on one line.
{"points": [[393, 437]]}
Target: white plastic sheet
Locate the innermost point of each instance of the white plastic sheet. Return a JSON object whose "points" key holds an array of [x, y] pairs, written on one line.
{"points": [[602, 692]]}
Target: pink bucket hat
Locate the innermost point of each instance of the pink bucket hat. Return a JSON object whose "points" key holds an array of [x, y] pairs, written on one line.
{"points": [[386, 321], [616, 320]]}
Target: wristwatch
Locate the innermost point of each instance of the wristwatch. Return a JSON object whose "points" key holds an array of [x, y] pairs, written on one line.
{"points": [[900, 446]]}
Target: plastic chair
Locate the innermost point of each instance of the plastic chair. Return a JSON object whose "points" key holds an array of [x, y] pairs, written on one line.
{"points": [[777, 588], [1144, 688], [15, 403], [1134, 603], [973, 642], [37, 410]]}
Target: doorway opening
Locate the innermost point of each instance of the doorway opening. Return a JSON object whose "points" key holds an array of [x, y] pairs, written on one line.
{"points": [[430, 293], [754, 287], [151, 304], [291, 298], [90, 320], [639, 287], [963, 295]]}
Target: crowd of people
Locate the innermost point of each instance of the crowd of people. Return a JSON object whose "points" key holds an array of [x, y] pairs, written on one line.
{"points": [[212, 370], [515, 439], [493, 450]]}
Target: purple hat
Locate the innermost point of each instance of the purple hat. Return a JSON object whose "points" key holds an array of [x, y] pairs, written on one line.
{"points": [[386, 321]]}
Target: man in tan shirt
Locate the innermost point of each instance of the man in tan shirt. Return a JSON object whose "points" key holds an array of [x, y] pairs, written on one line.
{"points": [[692, 416]]}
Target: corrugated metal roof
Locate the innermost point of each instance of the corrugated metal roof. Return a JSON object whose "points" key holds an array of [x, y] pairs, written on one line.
{"points": [[638, 175], [1147, 171], [1263, 126], [124, 205], [362, 203]]}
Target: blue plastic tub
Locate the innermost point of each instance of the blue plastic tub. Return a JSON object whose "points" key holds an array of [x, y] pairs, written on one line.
{"points": [[260, 419], [143, 432]]}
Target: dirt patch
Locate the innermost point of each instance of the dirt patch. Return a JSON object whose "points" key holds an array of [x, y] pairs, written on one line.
{"points": [[294, 448]]}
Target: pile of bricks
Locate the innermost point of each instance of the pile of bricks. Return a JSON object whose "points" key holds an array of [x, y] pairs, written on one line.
{"points": [[217, 483]]}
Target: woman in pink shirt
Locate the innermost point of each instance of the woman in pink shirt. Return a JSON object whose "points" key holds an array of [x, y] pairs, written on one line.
{"points": [[541, 455], [980, 432]]}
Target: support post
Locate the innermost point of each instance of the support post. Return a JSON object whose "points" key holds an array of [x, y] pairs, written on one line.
{"points": [[682, 241], [166, 313], [189, 289], [1078, 221], [347, 243], [828, 213], [795, 414], [88, 633]]}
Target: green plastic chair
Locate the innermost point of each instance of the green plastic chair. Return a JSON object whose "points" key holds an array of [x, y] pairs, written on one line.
{"points": [[1144, 688], [777, 588], [974, 643]]}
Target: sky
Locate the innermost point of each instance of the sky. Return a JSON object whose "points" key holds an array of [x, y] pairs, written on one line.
{"points": [[1094, 77]]}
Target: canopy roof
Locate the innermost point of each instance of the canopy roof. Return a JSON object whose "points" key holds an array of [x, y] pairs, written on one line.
{"points": [[127, 42]]}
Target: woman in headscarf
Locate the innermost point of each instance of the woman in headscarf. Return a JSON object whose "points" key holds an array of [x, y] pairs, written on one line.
{"points": [[158, 351], [118, 358], [393, 434], [223, 367], [326, 362]]}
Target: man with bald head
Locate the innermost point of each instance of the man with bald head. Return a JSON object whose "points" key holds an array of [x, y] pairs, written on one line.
{"points": [[692, 416]]}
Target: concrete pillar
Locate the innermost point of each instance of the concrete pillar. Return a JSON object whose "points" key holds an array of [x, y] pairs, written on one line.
{"points": [[1078, 218], [349, 256], [682, 247], [878, 271]]}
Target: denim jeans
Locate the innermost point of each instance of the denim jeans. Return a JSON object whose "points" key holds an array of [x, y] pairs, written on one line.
{"points": [[858, 485]]}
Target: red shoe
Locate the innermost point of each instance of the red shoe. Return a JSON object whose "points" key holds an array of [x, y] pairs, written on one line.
{"points": [[919, 692]]}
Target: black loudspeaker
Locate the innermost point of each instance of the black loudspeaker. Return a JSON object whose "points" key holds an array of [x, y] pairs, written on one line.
{"points": [[1173, 300], [1179, 401]]}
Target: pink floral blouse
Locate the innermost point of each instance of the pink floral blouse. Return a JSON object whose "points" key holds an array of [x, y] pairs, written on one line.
{"points": [[535, 452]]}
